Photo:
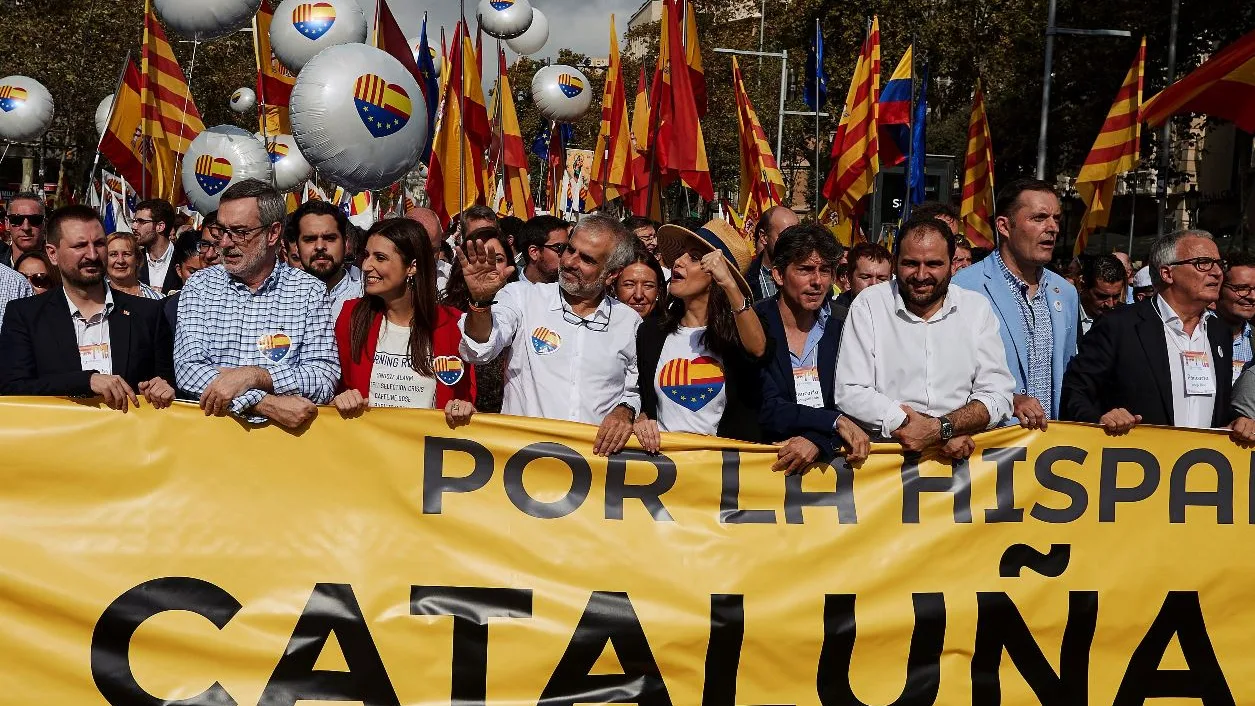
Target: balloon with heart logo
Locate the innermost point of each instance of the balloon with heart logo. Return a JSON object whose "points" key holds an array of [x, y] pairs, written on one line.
{"points": [[25, 109], [104, 111], [219, 157], [561, 93], [533, 40], [358, 116], [302, 28], [291, 169], [243, 100], [505, 19], [206, 19]]}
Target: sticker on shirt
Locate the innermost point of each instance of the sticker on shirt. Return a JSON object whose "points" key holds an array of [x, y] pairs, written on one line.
{"points": [[545, 341], [274, 346], [449, 369], [692, 384]]}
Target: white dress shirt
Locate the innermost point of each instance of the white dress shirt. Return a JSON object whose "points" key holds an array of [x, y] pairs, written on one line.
{"points": [[1189, 411], [350, 286], [158, 268], [558, 369], [94, 345], [890, 357]]}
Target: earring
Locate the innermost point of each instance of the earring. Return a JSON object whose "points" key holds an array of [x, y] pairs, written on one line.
{"points": [[409, 281]]}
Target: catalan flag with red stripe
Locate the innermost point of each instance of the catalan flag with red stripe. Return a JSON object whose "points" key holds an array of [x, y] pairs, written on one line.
{"points": [[1117, 150], [1222, 87], [856, 148], [645, 197], [167, 100], [680, 148], [147, 164], [978, 176], [762, 184], [612, 155], [457, 157]]}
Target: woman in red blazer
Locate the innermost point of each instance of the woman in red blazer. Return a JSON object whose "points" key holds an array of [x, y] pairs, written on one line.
{"points": [[398, 347]]}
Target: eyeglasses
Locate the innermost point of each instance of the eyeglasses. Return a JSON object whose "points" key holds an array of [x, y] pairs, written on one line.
{"points": [[39, 279], [1202, 264], [36, 219], [1242, 290], [238, 236], [558, 249], [204, 246], [142, 221], [595, 325]]}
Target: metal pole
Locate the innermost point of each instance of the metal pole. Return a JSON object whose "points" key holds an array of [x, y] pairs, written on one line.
{"points": [[910, 141], [462, 117], [1165, 138], [818, 71], [1133, 211], [762, 30], [1045, 91], [784, 86], [116, 90]]}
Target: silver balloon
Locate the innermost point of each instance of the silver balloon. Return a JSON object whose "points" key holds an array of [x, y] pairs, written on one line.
{"points": [[104, 111], [534, 39], [436, 59], [358, 116], [25, 108], [505, 19], [561, 93], [219, 157], [291, 169], [302, 28], [243, 100], [206, 19]]}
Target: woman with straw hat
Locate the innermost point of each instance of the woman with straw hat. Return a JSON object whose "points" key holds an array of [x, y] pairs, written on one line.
{"points": [[699, 361]]}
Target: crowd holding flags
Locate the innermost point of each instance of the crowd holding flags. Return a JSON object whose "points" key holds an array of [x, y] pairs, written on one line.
{"points": [[977, 209]]}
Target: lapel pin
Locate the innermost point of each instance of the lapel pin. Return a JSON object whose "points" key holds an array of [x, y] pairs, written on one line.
{"points": [[1058, 305], [1056, 290], [126, 312]]}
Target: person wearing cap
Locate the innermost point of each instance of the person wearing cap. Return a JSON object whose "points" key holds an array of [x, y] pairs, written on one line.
{"points": [[1141, 285], [572, 347], [700, 361]]}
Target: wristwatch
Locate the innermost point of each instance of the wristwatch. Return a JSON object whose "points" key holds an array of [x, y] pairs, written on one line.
{"points": [[947, 429], [749, 303]]}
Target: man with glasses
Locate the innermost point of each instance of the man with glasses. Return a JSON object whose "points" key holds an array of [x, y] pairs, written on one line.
{"points": [[1165, 360], [573, 348], [541, 242], [1237, 306], [255, 337], [153, 225], [26, 225]]}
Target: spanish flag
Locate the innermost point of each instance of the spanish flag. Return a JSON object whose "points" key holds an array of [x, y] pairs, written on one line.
{"points": [[856, 148], [274, 81], [457, 159], [612, 156], [1117, 150], [1223, 87], [645, 198], [167, 100], [148, 163], [693, 58], [517, 188], [978, 176], [762, 184], [680, 148]]}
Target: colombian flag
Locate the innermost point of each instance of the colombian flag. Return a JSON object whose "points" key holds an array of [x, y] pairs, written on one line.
{"points": [[895, 114], [692, 384], [383, 107]]}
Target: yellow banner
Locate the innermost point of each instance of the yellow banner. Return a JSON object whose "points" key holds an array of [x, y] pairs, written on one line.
{"points": [[161, 557]]}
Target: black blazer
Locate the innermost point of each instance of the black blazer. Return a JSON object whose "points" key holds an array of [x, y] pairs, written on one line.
{"points": [[1123, 362], [172, 282], [740, 375], [781, 416], [39, 351], [751, 278]]}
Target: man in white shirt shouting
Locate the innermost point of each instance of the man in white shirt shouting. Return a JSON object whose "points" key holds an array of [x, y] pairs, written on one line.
{"points": [[921, 362], [572, 348]]}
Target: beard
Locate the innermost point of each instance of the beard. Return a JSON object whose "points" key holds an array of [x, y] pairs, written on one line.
{"points": [[923, 301], [572, 285], [324, 269], [79, 278]]}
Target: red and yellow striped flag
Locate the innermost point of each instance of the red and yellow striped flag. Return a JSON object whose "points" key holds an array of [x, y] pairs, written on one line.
{"points": [[645, 198], [978, 176], [274, 81], [856, 148], [1223, 87], [762, 184], [1117, 150], [517, 186], [612, 156], [146, 164], [168, 106], [680, 148], [458, 152]]}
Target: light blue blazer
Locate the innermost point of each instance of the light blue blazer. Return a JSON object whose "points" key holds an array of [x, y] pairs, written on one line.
{"points": [[986, 278]]}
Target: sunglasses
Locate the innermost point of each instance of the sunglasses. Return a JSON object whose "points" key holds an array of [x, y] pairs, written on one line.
{"points": [[36, 220], [40, 280]]}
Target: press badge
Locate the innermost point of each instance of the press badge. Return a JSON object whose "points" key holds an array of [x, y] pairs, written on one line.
{"points": [[1196, 366], [806, 385]]}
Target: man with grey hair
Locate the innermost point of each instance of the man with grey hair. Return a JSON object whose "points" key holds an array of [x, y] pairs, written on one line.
{"points": [[572, 347], [255, 336], [26, 225], [1164, 360]]}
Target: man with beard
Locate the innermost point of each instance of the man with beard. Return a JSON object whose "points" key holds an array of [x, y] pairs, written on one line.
{"points": [[318, 230], [26, 225], [766, 233], [921, 362], [255, 336], [1038, 309], [1103, 281], [541, 243], [573, 348], [153, 224], [85, 339]]}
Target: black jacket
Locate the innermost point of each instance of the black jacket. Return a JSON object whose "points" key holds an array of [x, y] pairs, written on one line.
{"points": [[1123, 362], [172, 282], [781, 416], [740, 375], [39, 351], [751, 278]]}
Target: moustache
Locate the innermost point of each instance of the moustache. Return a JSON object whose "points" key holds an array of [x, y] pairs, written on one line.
{"points": [[84, 264]]}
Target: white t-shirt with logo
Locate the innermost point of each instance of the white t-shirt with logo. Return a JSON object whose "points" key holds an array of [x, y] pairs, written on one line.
{"points": [[393, 382], [689, 384]]}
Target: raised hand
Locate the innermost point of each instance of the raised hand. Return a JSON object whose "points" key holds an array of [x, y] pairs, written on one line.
{"points": [[478, 260]]}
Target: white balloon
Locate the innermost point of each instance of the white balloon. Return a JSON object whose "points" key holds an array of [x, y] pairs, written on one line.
{"points": [[533, 40], [358, 116], [562, 93], [206, 19], [505, 19], [291, 169], [302, 28], [104, 110], [25, 109], [243, 100], [436, 59], [219, 157]]}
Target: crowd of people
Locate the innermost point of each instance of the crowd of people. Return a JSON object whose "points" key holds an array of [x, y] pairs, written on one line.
{"points": [[634, 326]]}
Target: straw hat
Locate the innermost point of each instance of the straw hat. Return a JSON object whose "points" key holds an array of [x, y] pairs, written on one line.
{"points": [[719, 235]]}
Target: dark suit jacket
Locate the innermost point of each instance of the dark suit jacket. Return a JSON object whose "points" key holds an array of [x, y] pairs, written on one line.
{"points": [[781, 416], [39, 351], [172, 282], [1123, 362], [751, 278]]}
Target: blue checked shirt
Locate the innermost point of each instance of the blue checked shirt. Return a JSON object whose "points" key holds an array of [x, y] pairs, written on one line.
{"points": [[12, 286], [1038, 333], [284, 327]]}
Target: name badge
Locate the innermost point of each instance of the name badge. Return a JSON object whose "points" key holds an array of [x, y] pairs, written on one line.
{"points": [[92, 355], [1238, 367], [806, 385], [1196, 366]]}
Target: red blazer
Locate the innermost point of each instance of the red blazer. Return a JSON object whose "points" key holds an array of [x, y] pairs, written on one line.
{"points": [[455, 382]]}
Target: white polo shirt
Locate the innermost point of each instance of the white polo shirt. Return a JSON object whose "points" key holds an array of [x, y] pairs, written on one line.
{"points": [[560, 367]]}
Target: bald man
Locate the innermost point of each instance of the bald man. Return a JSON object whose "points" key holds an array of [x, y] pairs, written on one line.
{"points": [[430, 222], [766, 233]]}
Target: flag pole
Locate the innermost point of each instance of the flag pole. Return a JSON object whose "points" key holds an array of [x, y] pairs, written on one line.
{"points": [[466, 29], [910, 140], [187, 98], [116, 90], [819, 70]]}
